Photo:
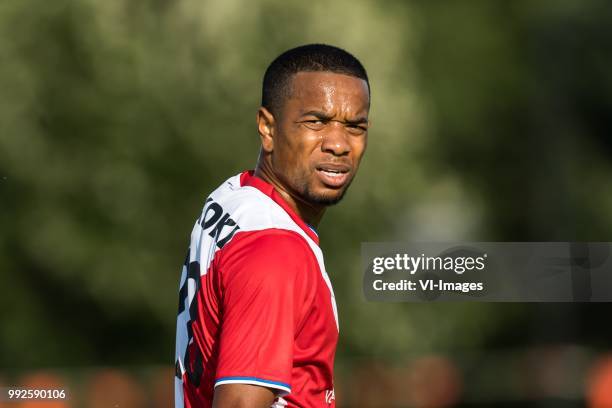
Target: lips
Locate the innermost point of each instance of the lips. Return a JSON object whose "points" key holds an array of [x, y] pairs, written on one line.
{"points": [[333, 174]]}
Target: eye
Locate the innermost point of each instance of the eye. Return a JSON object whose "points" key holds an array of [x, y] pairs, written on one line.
{"points": [[314, 124], [356, 129]]}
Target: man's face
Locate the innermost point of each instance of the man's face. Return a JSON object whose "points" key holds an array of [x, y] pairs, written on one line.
{"points": [[321, 135]]}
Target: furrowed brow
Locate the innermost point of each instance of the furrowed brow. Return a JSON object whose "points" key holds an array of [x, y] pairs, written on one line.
{"points": [[318, 114], [357, 121]]}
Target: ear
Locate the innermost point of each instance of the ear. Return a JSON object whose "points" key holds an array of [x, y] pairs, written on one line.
{"points": [[266, 127]]}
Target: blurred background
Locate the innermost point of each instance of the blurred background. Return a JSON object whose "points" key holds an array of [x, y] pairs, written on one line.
{"points": [[490, 122]]}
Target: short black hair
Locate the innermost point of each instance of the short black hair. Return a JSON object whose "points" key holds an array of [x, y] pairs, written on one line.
{"points": [[306, 58]]}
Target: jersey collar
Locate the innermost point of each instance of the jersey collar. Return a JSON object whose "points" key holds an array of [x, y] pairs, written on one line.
{"points": [[248, 178]]}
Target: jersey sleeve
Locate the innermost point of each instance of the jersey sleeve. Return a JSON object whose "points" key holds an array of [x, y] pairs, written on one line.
{"points": [[266, 287]]}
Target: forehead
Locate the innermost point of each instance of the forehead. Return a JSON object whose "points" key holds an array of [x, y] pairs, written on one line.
{"points": [[328, 90]]}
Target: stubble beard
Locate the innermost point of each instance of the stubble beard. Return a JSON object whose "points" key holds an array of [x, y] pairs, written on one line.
{"points": [[321, 199]]}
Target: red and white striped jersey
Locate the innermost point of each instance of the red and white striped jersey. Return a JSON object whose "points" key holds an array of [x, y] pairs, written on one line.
{"points": [[255, 304]]}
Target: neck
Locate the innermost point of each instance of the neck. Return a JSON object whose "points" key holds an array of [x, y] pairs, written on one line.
{"points": [[310, 213]]}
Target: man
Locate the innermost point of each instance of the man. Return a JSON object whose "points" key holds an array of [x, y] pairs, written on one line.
{"points": [[257, 323]]}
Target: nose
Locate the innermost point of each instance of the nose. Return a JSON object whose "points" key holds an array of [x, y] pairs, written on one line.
{"points": [[335, 140]]}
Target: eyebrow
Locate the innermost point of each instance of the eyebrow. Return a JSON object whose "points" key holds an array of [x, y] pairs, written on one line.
{"points": [[317, 114], [358, 121], [324, 116]]}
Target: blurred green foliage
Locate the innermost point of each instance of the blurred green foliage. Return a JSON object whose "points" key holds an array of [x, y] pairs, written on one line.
{"points": [[490, 122]]}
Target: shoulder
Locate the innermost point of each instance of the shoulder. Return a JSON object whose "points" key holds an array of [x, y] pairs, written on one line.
{"points": [[273, 249], [269, 265]]}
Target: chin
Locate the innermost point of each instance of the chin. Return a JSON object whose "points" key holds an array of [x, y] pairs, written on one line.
{"points": [[325, 198]]}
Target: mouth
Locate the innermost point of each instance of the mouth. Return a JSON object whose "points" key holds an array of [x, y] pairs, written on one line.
{"points": [[333, 175]]}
